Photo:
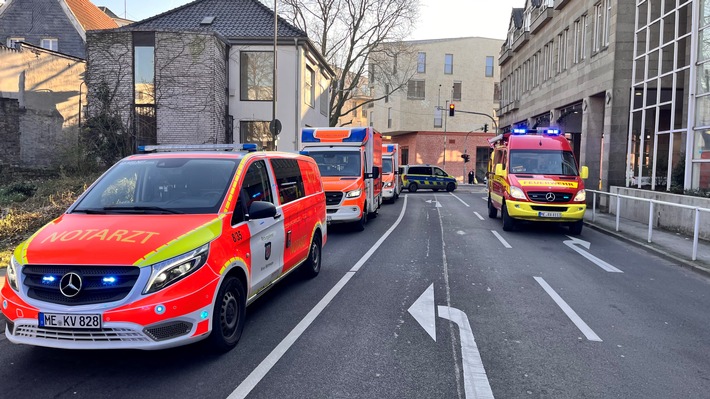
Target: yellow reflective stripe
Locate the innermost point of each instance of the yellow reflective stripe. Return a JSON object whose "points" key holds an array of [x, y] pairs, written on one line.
{"points": [[187, 242]]}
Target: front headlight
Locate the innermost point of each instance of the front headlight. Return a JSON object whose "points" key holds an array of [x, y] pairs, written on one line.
{"points": [[12, 274], [353, 194], [172, 270], [581, 195], [517, 192], [388, 184]]}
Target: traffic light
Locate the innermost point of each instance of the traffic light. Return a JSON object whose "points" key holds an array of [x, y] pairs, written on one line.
{"points": [[452, 109], [485, 128], [466, 157]]}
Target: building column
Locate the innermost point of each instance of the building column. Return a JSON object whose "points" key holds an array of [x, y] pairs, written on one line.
{"points": [[594, 146]]}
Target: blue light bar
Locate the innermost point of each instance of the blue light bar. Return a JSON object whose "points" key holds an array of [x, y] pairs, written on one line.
{"points": [[249, 147], [552, 132], [520, 131], [48, 279], [109, 280]]}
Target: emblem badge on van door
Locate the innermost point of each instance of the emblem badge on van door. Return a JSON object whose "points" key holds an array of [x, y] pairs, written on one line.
{"points": [[267, 251]]}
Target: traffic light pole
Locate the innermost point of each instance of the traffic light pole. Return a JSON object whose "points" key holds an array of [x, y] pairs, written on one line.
{"points": [[495, 125]]}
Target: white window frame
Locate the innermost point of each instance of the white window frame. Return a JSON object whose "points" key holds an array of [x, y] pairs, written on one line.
{"points": [[451, 70], [53, 44], [12, 41], [598, 21], [309, 92], [583, 41], [607, 22]]}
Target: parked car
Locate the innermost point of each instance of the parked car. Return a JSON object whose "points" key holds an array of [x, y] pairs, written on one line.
{"points": [[416, 177]]}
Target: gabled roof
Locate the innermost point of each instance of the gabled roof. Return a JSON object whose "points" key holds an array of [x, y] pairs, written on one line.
{"points": [[89, 16], [232, 19]]}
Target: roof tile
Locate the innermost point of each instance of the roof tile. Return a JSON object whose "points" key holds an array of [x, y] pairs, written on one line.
{"points": [[89, 16]]}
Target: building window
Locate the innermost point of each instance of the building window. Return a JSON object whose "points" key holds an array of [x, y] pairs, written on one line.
{"points": [[583, 37], [607, 22], [448, 64], [496, 92], [324, 98], [309, 92], [394, 65], [256, 132], [387, 92], [389, 117], [598, 21], [457, 90], [371, 73], [50, 44], [437, 117], [256, 75], [145, 122], [371, 118], [12, 41], [421, 62], [577, 37], [415, 89], [405, 156], [489, 67], [559, 50]]}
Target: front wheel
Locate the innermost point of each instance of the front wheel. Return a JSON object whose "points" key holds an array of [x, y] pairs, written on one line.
{"points": [[492, 211], [450, 187], [360, 225], [508, 222], [575, 228], [228, 315], [311, 267], [413, 188]]}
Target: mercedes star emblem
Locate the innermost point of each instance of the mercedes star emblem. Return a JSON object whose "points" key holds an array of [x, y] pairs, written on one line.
{"points": [[550, 197], [70, 285]]}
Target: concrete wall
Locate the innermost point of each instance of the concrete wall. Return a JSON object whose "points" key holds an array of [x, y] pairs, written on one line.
{"points": [[46, 86], [665, 216]]}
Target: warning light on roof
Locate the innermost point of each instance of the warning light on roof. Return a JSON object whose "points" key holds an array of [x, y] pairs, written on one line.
{"points": [[552, 132], [520, 131]]}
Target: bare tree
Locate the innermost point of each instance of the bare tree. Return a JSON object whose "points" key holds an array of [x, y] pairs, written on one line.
{"points": [[361, 39]]}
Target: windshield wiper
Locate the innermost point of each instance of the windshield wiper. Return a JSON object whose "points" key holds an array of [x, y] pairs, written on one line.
{"points": [[140, 209], [90, 211]]}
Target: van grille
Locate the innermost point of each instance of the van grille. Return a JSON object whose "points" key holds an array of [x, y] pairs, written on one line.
{"points": [[99, 335], [333, 197], [541, 196], [93, 288]]}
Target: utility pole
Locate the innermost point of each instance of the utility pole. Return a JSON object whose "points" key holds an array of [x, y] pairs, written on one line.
{"points": [[446, 118]]}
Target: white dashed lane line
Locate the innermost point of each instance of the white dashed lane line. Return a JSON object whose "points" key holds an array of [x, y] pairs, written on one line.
{"points": [[479, 215], [583, 327], [501, 239], [455, 196]]}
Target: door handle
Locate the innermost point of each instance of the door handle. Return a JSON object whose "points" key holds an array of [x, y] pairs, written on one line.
{"points": [[278, 215]]}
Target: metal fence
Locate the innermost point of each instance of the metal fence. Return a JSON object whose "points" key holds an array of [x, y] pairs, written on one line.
{"points": [[697, 210]]}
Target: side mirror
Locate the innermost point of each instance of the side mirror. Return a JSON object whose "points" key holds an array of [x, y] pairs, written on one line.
{"points": [[499, 169], [262, 210], [584, 173], [375, 172]]}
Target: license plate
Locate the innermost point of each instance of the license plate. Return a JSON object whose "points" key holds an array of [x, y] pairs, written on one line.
{"points": [[549, 214], [328, 219], [88, 321]]}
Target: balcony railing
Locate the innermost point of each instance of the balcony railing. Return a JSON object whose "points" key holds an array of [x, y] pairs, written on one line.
{"points": [[541, 15]]}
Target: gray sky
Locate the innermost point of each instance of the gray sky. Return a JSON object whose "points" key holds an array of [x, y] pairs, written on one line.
{"points": [[438, 18]]}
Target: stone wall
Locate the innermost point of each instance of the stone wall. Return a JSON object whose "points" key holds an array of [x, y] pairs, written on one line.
{"points": [[9, 131]]}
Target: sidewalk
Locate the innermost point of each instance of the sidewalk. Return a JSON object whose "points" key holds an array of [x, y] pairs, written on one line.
{"points": [[673, 246]]}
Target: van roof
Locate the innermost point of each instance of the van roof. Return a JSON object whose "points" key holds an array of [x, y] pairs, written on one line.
{"points": [[538, 142], [214, 154]]}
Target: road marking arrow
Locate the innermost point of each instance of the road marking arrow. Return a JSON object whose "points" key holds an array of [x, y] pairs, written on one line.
{"points": [[438, 205], [475, 380], [573, 242]]}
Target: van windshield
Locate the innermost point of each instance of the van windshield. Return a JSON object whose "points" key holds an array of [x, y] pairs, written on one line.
{"points": [[386, 165], [337, 163], [543, 162], [161, 186]]}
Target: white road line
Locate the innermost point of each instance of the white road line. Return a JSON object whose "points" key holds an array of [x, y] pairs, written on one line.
{"points": [[479, 215], [501, 239], [270, 361], [583, 327], [455, 196], [485, 198]]}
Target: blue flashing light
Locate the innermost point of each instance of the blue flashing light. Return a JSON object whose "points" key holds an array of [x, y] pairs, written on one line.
{"points": [[109, 280], [520, 131], [48, 279], [141, 148], [304, 153], [160, 309], [390, 148], [249, 147], [308, 136], [204, 314], [552, 132]]}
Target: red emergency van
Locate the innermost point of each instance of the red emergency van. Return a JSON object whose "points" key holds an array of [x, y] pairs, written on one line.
{"points": [[165, 249], [534, 176]]}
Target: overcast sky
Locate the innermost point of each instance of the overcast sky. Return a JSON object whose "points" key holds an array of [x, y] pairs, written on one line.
{"points": [[438, 18]]}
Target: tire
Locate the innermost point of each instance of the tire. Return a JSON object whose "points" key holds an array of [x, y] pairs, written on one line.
{"points": [[413, 187], [360, 225], [492, 211], [311, 267], [575, 228], [435, 189], [508, 222], [450, 187], [228, 315]]}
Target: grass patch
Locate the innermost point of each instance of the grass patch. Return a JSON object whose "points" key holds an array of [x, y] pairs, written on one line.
{"points": [[31, 199]]}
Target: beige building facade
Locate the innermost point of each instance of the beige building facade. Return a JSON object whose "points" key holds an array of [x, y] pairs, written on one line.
{"points": [[460, 71]]}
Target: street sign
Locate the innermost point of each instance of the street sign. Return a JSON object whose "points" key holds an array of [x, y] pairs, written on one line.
{"points": [[275, 127]]}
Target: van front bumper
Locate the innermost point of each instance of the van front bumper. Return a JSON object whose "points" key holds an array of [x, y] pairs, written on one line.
{"points": [[343, 214], [158, 321], [533, 211]]}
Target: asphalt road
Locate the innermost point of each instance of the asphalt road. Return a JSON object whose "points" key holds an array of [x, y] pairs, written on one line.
{"points": [[639, 331]]}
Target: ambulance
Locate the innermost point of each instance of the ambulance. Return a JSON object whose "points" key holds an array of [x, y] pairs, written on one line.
{"points": [[392, 184], [350, 163], [166, 249], [533, 176]]}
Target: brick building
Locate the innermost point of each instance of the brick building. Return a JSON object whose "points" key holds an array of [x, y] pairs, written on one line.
{"points": [[203, 73], [445, 150]]}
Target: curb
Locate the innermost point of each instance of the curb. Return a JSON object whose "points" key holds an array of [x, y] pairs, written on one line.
{"points": [[686, 263]]}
